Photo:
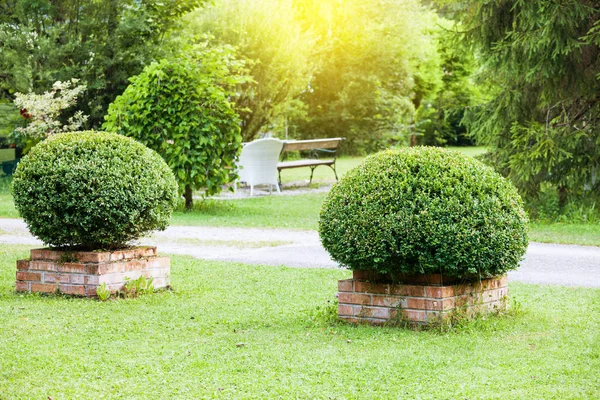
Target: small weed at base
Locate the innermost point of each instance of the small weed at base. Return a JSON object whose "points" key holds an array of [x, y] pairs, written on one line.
{"points": [[137, 287], [463, 320], [133, 288], [323, 314], [102, 292]]}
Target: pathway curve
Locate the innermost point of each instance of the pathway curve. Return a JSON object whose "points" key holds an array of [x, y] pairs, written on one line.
{"points": [[543, 263]]}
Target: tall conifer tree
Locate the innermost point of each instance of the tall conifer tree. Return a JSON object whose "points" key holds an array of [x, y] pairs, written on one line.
{"points": [[542, 58]]}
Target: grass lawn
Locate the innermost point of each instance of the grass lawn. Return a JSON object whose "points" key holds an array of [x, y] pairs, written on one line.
{"points": [[471, 151], [232, 331], [274, 211], [582, 234], [7, 206]]}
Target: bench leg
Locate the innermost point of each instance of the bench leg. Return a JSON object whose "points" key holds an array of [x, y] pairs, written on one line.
{"points": [[279, 180], [312, 171]]}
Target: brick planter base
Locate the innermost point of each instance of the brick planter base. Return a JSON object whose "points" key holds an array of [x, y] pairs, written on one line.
{"points": [[80, 273], [425, 299]]}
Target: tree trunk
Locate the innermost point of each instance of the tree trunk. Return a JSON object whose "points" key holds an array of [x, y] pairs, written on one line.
{"points": [[413, 140], [562, 197], [187, 195]]}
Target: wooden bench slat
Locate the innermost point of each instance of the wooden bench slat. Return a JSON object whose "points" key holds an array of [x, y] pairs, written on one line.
{"points": [[303, 163], [298, 145]]}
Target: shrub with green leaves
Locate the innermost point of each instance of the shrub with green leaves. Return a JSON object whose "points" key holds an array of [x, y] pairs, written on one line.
{"points": [[424, 210], [93, 190], [182, 110]]}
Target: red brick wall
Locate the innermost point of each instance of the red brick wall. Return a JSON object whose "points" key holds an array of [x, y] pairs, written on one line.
{"points": [[363, 301], [80, 273]]}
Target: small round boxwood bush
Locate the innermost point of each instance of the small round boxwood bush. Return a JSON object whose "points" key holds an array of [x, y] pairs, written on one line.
{"points": [[93, 190], [424, 210]]}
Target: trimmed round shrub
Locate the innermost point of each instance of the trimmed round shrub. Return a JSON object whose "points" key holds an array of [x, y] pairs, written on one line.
{"points": [[424, 210], [93, 190]]}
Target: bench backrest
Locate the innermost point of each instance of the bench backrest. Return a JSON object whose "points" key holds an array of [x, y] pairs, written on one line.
{"points": [[311, 144]]}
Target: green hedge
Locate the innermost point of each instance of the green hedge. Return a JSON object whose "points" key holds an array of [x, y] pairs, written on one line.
{"points": [[424, 210], [93, 190]]}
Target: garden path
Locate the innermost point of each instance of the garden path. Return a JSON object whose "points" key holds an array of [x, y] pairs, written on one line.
{"points": [[543, 263]]}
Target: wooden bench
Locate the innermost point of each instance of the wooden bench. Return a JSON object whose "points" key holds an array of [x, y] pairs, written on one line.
{"points": [[310, 150]]}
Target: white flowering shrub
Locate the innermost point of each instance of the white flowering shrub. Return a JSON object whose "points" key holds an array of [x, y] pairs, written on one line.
{"points": [[42, 111]]}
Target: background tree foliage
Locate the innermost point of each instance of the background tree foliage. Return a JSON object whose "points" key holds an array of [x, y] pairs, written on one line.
{"points": [[439, 117], [542, 60], [368, 54], [278, 52], [103, 43], [373, 71], [182, 110], [356, 69]]}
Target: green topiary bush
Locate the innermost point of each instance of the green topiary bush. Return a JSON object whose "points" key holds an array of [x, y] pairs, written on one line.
{"points": [[424, 210], [93, 190]]}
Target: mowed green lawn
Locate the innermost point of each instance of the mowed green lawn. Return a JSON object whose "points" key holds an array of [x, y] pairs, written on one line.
{"points": [[7, 206], [232, 331]]}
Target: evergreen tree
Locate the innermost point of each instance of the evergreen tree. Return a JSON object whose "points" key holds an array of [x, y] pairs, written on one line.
{"points": [[439, 116], [542, 59]]}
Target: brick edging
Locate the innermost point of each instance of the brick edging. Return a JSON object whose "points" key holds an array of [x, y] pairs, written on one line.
{"points": [[81, 273], [362, 301]]}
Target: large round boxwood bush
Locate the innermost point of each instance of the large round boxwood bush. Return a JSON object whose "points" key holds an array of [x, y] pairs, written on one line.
{"points": [[424, 210], [93, 190]]}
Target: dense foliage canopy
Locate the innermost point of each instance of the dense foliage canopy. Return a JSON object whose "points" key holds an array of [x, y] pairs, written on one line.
{"points": [[102, 43], [357, 69], [542, 60], [367, 54], [424, 210], [439, 116], [182, 110], [373, 71], [277, 51], [93, 190]]}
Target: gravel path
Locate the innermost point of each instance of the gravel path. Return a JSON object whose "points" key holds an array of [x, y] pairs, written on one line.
{"points": [[543, 263]]}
